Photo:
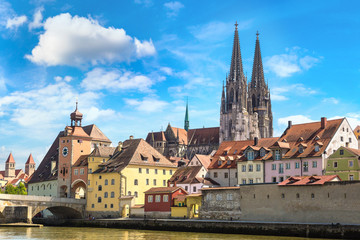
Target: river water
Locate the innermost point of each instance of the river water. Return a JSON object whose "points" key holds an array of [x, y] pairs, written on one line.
{"points": [[65, 233]]}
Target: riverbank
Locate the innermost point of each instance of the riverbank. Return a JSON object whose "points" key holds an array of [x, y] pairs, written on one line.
{"points": [[21, 225], [336, 231]]}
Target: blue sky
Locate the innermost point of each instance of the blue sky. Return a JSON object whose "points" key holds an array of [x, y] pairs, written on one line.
{"points": [[132, 64]]}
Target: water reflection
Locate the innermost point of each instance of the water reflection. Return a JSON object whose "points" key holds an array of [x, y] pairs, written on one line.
{"points": [[60, 233]]}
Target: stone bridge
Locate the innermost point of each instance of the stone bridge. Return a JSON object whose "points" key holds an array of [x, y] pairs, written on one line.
{"points": [[22, 208]]}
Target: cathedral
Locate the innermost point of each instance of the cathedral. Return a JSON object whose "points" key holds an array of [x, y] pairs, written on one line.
{"points": [[245, 108]]}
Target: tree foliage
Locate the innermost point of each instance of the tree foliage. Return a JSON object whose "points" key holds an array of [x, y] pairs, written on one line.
{"points": [[20, 189]]}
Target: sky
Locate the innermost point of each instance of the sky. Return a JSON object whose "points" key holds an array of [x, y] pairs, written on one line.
{"points": [[132, 64]]}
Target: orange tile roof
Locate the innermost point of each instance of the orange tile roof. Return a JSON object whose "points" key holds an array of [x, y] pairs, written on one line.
{"points": [[79, 132], [10, 159], [357, 129], [164, 190], [206, 136], [30, 160], [308, 132], [310, 180], [183, 139], [156, 136], [236, 149], [204, 159], [96, 134]]}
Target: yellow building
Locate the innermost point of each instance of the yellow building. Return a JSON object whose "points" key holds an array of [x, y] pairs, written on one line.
{"points": [[117, 184], [186, 206]]}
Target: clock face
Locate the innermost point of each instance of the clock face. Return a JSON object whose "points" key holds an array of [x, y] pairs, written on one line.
{"points": [[65, 151]]}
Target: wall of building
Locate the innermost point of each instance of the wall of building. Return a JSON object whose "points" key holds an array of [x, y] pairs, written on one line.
{"points": [[335, 202], [255, 176], [179, 212], [224, 182], [343, 167], [46, 188]]}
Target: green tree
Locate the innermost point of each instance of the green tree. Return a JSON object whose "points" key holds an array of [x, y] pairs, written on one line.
{"points": [[21, 189], [10, 189]]}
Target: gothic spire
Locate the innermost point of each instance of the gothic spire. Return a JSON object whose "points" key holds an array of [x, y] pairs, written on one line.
{"points": [[236, 68], [257, 78], [186, 123]]}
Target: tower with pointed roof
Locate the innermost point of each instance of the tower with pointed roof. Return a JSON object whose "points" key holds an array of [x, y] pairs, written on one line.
{"points": [[30, 166], [259, 95], [186, 122], [10, 167]]}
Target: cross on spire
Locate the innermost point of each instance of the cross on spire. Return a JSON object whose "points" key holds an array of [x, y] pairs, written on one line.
{"points": [[236, 24], [257, 35]]}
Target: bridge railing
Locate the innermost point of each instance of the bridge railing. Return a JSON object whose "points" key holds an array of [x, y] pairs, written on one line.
{"points": [[32, 198]]}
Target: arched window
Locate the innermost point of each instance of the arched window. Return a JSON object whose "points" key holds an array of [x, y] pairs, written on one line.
{"points": [[135, 182], [106, 182], [136, 194], [129, 193], [105, 194], [99, 188], [99, 199]]}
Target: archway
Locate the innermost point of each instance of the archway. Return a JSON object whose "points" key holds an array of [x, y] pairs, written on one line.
{"points": [[194, 211], [125, 211], [60, 212], [78, 189]]}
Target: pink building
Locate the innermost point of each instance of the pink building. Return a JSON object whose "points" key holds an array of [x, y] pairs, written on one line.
{"points": [[302, 149]]}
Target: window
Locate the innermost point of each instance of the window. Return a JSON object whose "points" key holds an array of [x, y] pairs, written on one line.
{"points": [[314, 164], [194, 188], [342, 138], [140, 170], [351, 177], [82, 171], [273, 166], [209, 197], [156, 171], [341, 152], [165, 198], [164, 183], [147, 171], [262, 152], [147, 181], [226, 175], [150, 198], [215, 174], [112, 194], [273, 179], [129, 193], [281, 179], [349, 140], [219, 163], [164, 172], [297, 195], [157, 198], [317, 148], [250, 155], [251, 181], [136, 194], [306, 167], [243, 168], [287, 165], [301, 149], [90, 170], [218, 197], [258, 167], [100, 177], [351, 163], [76, 171], [228, 162], [111, 205], [243, 181], [154, 181], [297, 165], [112, 181], [229, 197], [186, 188], [99, 188], [136, 182], [99, 199], [282, 195], [250, 168], [235, 175], [92, 205], [106, 182], [312, 195], [106, 195], [277, 155], [335, 164]]}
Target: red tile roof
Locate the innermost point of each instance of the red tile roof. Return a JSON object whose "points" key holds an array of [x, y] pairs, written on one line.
{"points": [[354, 151], [204, 159], [164, 190], [309, 180], [82, 161], [205, 136], [30, 160], [10, 159], [183, 135], [96, 134]]}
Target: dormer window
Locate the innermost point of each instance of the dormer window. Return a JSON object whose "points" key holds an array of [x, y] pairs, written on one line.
{"points": [[219, 163], [278, 154], [228, 162], [301, 149], [300, 139], [235, 152], [144, 158], [317, 148], [262, 152], [250, 155]]}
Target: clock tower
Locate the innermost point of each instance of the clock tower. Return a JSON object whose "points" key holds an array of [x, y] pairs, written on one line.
{"points": [[73, 144]]}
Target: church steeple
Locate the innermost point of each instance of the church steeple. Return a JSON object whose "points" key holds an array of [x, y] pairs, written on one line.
{"points": [[257, 78], [236, 68], [186, 122], [76, 117]]}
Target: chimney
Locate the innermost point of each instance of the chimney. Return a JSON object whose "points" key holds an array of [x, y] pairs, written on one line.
{"points": [[256, 140], [120, 144], [323, 122], [289, 124], [131, 137]]}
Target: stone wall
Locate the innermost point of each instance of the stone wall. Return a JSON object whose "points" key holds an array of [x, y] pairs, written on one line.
{"points": [[335, 202]]}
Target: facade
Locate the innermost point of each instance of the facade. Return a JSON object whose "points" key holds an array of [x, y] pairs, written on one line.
{"points": [[67, 153], [302, 150], [245, 111], [178, 142], [118, 184], [159, 200], [345, 163], [14, 176]]}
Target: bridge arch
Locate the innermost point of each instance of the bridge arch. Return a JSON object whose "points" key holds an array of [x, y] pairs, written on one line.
{"points": [[60, 212]]}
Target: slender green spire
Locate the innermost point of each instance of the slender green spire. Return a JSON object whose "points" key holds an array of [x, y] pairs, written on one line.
{"points": [[186, 124]]}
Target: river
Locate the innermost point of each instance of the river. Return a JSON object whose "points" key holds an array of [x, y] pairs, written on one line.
{"points": [[57, 233]]}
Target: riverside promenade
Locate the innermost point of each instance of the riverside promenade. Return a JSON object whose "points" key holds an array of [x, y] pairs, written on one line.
{"points": [[313, 230]]}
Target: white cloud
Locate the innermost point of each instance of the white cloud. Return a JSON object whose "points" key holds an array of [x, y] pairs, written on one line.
{"points": [[330, 100], [15, 22], [277, 93], [76, 41], [146, 3], [147, 105], [114, 80], [37, 19], [66, 78], [285, 65], [95, 113], [167, 70], [296, 119], [173, 8]]}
